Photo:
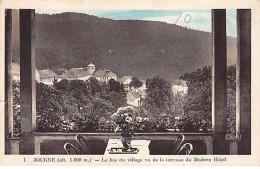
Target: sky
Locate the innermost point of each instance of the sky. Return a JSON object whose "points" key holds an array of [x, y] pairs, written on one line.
{"points": [[193, 19]]}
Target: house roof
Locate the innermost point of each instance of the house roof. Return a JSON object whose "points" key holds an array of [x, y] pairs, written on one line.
{"points": [[58, 71], [79, 69], [67, 74], [124, 78], [81, 73], [46, 74], [75, 73], [104, 73], [91, 64]]}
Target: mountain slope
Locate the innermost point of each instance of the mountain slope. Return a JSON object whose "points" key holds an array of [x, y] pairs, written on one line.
{"points": [[127, 47]]}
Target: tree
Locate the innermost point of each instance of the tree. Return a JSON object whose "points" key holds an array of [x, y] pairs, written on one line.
{"points": [[99, 109], [117, 99], [198, 104], [16, 108], [94, 86], [79, 90], [104, 90], [62, 85], [79, 85], [49, 106], [136, 83], [116, 93], [115, 86], [159, 96]]}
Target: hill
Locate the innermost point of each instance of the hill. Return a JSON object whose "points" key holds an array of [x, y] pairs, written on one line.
{"points": [[127, 47]]}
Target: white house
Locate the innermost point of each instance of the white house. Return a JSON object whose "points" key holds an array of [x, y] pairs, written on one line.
{"points": [[104, 75], [133, 98], [180, 87], [47, 76], [79, 74], [125, 80]]}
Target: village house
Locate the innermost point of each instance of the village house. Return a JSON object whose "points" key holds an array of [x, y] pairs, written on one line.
{"points": [[59, 72], [143, 94], [180, 87], [82, 73], [47, 76], [139, 89], [16, 73], [67, 74], [75, 74], [133, 98], [103, 75], [125, 80]]}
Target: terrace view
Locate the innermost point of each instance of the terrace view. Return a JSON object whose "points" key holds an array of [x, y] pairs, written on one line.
{"points": [[143, 84]]}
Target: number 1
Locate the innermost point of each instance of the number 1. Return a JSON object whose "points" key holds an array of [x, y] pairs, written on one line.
{"points": [[178, 19]]}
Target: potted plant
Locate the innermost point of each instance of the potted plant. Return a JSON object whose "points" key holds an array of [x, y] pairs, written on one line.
{"points": [[125, 124]]}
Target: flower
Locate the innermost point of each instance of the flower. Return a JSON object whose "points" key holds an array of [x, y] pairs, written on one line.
{"points": [[126, 114], [146, 119], [124, 120], [127, 108], [129, 119], [139, 119]]}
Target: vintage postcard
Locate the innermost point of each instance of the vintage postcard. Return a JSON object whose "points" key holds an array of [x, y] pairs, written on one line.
{"points": [[129, 83]]}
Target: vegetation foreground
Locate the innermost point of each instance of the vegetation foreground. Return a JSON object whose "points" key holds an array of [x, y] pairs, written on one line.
{"points": [[87, 106]]}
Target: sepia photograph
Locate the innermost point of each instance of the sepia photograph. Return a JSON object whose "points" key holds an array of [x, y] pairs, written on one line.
{"points": [[165, 84]]}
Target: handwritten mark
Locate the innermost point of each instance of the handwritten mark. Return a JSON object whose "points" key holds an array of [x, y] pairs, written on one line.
{"points": [[187, 18]]}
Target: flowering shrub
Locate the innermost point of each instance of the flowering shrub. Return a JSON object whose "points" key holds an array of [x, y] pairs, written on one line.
{"points": [[124, 120], [143, 125], [16, 109], [188, 124], [162, 124], [57, 111], [106, 125]]}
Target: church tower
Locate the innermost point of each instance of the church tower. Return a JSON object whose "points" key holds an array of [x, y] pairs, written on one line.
{"points": [[91, 68]]}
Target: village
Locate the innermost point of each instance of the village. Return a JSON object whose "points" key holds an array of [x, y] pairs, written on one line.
{"points": [[134, 94]]}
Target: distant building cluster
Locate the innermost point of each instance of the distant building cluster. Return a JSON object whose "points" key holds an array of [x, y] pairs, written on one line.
{"points": [[134, 95], [49, 76]]}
